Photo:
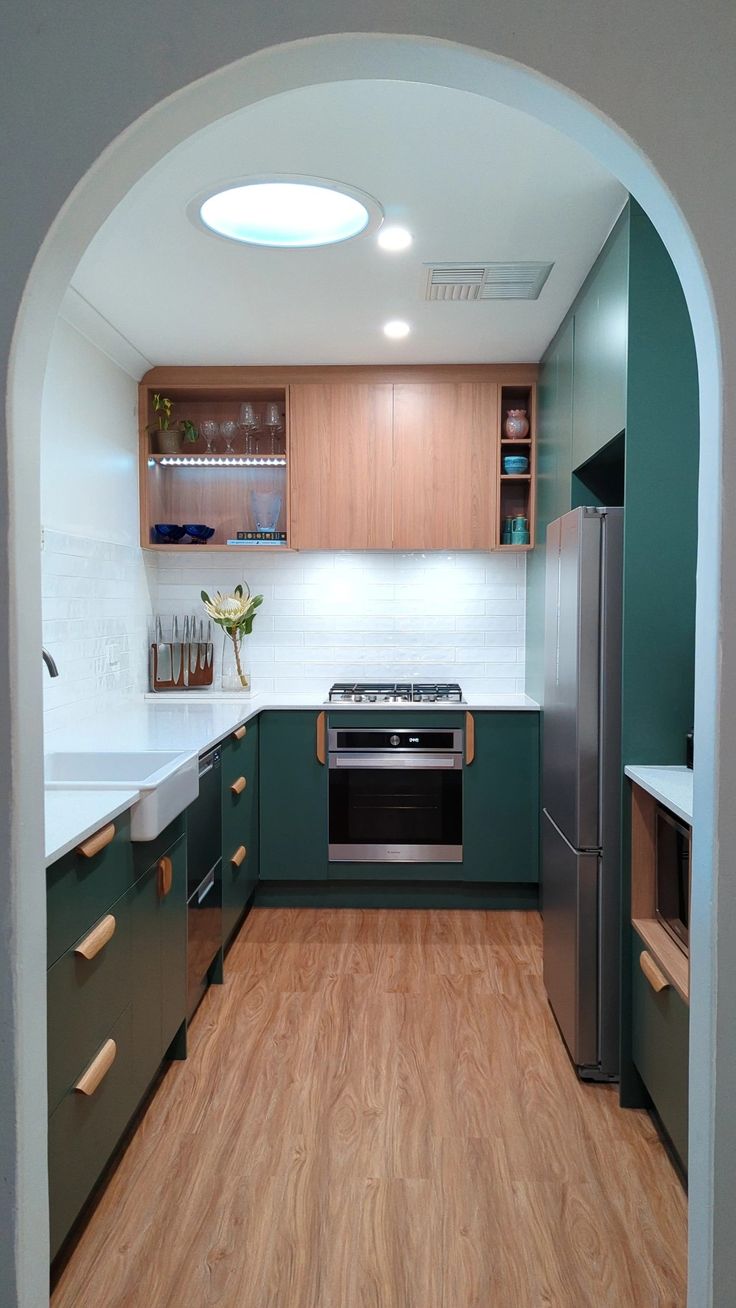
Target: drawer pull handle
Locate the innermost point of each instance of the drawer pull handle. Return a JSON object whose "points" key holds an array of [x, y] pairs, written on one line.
{"points": [[657, 980], [98, 1069], [469, 738], [239, 856], [321, 742], [239, 733], [165, 871], [239, 786], [97, 937], [95, 843]]}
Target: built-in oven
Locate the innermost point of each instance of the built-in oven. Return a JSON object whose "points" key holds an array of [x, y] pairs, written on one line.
{"points": [[672, 869], [204, 879], [395, 796]]}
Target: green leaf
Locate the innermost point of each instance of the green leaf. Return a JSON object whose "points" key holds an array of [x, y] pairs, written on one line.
{"points": [[239, 591], [205, 596]]}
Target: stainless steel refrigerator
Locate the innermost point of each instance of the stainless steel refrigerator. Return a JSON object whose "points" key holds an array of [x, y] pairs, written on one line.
{"points": [[581, 784]]}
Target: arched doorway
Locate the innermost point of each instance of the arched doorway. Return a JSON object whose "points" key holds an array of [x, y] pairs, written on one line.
{"points": [[127, 158]]}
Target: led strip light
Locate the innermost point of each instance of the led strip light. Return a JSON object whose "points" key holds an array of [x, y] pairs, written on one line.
{"points": [[190, 461]]}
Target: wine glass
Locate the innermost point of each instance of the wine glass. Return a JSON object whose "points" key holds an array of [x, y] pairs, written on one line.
{"points": [[208, 430], [228, 430], [274, 423], [249, 421]]}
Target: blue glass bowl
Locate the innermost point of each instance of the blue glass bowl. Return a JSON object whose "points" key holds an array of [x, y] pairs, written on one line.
{"points": [[515, 463], [199, 533], [168, 533]]}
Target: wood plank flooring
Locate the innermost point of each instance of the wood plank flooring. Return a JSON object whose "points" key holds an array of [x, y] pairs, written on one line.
{"points": [[378, 1112]]}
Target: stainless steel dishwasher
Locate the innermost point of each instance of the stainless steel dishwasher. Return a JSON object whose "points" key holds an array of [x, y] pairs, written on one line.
{"points": [[204, 881]]}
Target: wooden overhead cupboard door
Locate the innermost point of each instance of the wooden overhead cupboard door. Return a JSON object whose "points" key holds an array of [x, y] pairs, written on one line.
{"points": [[340, 448], [445, 453]]}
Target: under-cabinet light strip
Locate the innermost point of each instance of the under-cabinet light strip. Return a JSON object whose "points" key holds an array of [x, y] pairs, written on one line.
{"points": [[275, 461]]}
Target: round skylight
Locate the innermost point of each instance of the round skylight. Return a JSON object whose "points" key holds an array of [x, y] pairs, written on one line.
{"points": [[289, 213]]}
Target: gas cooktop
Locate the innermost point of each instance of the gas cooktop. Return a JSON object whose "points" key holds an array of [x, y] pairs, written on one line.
{"points": [[396, 692]]}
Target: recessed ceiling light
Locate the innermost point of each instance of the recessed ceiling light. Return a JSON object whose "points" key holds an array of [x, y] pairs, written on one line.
{"points": [[396, 329], [394, 238], [287, 212]]}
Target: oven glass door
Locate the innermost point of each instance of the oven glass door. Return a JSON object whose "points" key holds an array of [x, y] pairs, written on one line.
{"points": [[386, 808]]}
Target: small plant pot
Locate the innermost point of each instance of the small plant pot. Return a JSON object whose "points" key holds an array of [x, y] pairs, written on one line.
{"points": [[169, 442]]}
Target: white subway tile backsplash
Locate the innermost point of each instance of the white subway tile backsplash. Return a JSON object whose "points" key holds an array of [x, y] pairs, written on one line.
{"points": [[326, 617], [334, 617], [97, 602]]}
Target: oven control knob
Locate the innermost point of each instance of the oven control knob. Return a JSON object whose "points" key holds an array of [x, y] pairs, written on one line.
{"points": [[372, 699], [394, 740], [357, 697]]}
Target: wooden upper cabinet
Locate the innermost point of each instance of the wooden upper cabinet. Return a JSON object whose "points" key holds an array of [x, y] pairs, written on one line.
{"points": [[445, 465], [340, 441]]}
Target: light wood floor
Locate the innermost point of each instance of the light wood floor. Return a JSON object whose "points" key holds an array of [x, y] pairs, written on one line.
{"points": [[377, 1112]]}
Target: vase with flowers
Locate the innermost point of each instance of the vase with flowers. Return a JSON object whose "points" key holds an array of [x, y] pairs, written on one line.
{"points": [[235, 614]]}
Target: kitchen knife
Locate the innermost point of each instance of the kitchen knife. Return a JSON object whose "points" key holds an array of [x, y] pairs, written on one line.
{"points": [[163, 655], [193, 646], [176, 653]]}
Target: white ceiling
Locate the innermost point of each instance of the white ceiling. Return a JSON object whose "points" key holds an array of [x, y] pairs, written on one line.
{"points": [[473, 180]]}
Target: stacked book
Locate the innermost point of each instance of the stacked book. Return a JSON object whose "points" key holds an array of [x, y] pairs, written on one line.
{"points": [[259, 538]]}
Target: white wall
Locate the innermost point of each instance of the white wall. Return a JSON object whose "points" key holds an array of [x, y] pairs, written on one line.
{"points": [[94, 576], [339, 617], [649, 88]]}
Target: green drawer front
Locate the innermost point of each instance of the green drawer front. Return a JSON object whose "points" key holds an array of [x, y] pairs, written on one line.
{"points": [[239, 826], [239, 754], [85, 997], [660, 1046], [84, 1130], [80, 890]]}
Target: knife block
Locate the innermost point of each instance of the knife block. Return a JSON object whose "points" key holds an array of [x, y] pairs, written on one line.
{"points": [[196, 666]]}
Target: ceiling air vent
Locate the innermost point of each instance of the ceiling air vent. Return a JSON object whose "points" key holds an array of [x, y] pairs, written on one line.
{"points": [[486, 281]]}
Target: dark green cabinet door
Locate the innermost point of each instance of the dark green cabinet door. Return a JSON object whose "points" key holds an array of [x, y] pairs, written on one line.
{"points": [[293, 799], [599, 361], [159, 958], [172, 917], [240, 822], [79, 890], [501, 799]]}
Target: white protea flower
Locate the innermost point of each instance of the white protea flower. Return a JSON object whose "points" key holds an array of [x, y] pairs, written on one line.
{"points": [[234, 612]]}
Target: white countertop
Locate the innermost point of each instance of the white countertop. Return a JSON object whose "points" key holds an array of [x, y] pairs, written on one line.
{"points": [[72, 815], [672, 786], [184, 721]]}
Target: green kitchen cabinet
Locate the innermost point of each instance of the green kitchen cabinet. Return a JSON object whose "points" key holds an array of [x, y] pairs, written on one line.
{"points": [[158, 915], [293, 797], [80, 889], [501, 799], [240, 823], [660, 1049], [600, 349]]}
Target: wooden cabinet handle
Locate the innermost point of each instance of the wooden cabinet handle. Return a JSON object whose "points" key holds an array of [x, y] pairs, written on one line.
{"points": [[97, 937], [239, 733], [165, 872], [321, 743], [469, 738], [95, 843], [239, 856], [657, 980], [98, 1069], [239, 786]]}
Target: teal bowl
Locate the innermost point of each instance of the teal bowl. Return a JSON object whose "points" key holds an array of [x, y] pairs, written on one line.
{"points": [[515, 463]]}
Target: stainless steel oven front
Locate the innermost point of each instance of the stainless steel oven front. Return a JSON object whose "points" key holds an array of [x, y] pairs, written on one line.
{"points": [[395, 796]]}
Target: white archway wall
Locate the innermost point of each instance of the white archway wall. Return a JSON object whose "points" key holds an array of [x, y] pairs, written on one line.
{"points": [[663, 77]]}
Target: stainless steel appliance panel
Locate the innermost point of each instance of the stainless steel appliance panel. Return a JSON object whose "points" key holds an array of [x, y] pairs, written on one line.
{"points": [[570, 928], [571, 779]]}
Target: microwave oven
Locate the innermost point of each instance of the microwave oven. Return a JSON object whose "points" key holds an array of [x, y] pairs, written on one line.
{"points": [[672, 876]]}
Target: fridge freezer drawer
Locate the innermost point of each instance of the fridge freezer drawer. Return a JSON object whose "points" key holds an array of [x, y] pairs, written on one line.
{"points": [[570, 882]]}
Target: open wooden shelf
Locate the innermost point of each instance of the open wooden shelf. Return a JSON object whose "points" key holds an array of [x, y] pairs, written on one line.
{"points": [[516, 476], [516, 491]]}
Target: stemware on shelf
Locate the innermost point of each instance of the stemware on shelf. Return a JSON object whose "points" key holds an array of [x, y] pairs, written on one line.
{"points": [[208, 431], [249, 421], [228, 431], [274, 423]]}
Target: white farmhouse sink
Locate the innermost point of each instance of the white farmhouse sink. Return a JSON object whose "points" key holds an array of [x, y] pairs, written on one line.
{"points": [[167, 782]]}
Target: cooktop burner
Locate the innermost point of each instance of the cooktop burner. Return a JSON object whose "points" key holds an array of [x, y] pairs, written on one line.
{"points": [[396, 692]]}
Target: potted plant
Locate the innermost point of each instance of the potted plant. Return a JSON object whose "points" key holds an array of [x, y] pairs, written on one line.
{"points": [[170, 434], [235, 614]]}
